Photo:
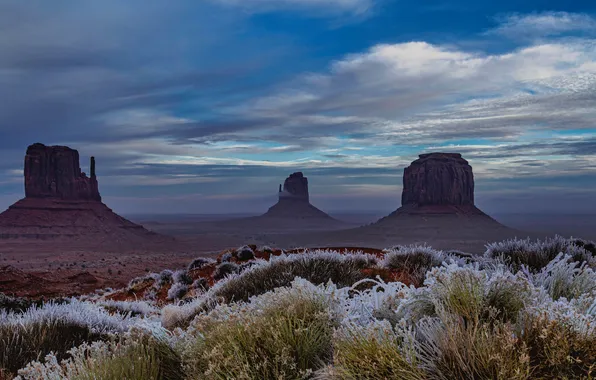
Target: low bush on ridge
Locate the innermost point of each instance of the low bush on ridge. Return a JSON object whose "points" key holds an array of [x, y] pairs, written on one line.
{"points": [[320, 315]]}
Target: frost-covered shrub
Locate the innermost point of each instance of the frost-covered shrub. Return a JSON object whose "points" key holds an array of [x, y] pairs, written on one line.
{"points": [[317, 267], [226, 257], [200, 263], [535, 255], [245, 253], [448, 348], [182, 277], [414, 261], [132, 357], [563, 277], [22, 343], [152, 277], [589, 246], [58, 327], [284, 335], [17, 304], [374, 353], [165, 277], [177, 291], [135, 308], [200, 284], [560, 342], [266, 249], [225, 269]]}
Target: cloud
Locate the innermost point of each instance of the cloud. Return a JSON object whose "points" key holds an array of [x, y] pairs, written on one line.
{"points": [[543, 24]]}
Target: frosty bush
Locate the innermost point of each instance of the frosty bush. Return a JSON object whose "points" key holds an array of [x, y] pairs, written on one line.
{"points": [[245, 253], [284, 335], [413, 260], [317, 267], [536, 255], [56, 328], [177, 291], [134, 356], [182, 277], [199, 263], [225, 269]]}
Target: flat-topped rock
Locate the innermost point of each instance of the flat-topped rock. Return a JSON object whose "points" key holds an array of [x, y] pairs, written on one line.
{"points": [[438, 179], [54, 172], [62, 204]]}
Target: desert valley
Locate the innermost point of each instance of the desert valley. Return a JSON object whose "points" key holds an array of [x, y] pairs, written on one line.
{"points": [[62, 235], [297, 190]]}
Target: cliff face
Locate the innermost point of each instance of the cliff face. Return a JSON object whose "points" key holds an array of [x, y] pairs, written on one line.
{"points": [[54, 172], [295, 188], [438, 179]]}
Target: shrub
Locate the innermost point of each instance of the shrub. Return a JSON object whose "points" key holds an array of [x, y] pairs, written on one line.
{"points": [[287, 339], [138, 357], [55, 328], [201, 284], [199, 263], [563, 277], [266, 249], [177, 291], [317, 267], [536, 255], [20, 344], [165, 277], [245, 253], [413, 260], [225, 269], [374, 355], [556, 349], [182, 277], [448, 348], [226, 257], [134, 308]]}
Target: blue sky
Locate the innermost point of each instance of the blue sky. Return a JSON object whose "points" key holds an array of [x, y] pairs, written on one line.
{"points": [[206, 106]]}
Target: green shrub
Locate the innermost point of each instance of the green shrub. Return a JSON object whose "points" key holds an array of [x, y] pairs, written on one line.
{"points": [[287, 340], [129, 357], [360, 355]]}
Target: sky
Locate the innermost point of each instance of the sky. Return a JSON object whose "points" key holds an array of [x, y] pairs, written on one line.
{"points": [[207, 106]]}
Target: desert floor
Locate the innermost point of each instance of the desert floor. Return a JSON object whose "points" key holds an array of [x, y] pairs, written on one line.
{"points": [[53, 268]]}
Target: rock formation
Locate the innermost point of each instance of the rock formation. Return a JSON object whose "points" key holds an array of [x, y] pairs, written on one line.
{"points": [[294, 201], [438, 179], [295, 188], [61, 203], [438, 202], [54, 172]]}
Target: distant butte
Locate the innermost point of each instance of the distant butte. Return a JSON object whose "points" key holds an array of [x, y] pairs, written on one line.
{"points": [[294, 201], [63, 204], [439, 184]]}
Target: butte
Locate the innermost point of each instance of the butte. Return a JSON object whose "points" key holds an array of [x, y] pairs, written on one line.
{"points": [[62, 205], [294, 201], [437, 209]]}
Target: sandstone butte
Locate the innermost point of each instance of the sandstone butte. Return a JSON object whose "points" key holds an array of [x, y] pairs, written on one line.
{"points": [[440, 184], [294, 201], [62, 203]]}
